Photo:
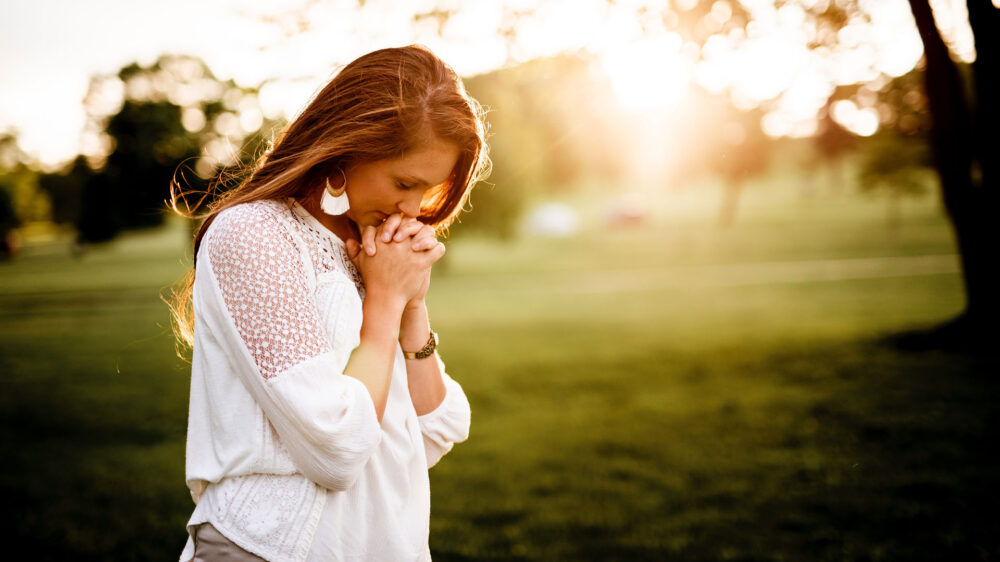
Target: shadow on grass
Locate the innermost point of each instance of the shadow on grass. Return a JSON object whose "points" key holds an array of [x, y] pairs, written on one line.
{"points": [[960, 335]]}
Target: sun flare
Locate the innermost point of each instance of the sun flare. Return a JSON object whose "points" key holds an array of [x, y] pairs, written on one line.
{"points": [[649, 74]]}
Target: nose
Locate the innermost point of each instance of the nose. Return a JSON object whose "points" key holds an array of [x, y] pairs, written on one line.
{"points": [[410, 205]]}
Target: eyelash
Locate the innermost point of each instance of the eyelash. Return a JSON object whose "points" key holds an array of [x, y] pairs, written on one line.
{"points": [[404, 186]]}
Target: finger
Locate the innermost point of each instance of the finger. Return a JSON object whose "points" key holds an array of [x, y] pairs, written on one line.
{"points": [[426, 232], [435, 253], [423, 242], [368, 240], [388, 228], [408, 229], [353, 249]]}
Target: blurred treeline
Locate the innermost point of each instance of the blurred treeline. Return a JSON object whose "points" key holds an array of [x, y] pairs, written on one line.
{"points": [[555, 125]]}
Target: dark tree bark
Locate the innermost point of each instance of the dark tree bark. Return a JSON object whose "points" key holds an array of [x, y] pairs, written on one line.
{"points": [[964, 143]]}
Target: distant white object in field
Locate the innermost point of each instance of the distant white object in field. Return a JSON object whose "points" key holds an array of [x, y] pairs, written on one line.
{"points": [[552, 219]]}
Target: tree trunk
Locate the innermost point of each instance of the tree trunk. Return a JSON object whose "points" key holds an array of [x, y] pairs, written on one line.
{"points": [[730, 203], [959, 150], [984, 19], [893, 212]]}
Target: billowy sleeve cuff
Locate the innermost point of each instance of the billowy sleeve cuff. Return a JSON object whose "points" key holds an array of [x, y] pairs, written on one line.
{"points": [[332, 417], [447, 424]]}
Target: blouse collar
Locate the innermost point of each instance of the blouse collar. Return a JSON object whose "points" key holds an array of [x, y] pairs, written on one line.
{"points": [[311, 220]]}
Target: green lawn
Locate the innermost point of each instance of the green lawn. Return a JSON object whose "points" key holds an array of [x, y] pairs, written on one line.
{"points": [[673, 391]]}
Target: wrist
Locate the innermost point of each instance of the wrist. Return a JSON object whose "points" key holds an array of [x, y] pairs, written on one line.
{"points": [[385, 301], [426, 350], [415, 305], [381, 319], [414, 328], [414, 341]]}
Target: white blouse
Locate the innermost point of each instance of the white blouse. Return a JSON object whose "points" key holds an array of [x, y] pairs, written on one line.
{"points": [[285, 454]]}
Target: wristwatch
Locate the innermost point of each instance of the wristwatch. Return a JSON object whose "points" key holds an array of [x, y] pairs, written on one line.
{"points": [[427, 350]]}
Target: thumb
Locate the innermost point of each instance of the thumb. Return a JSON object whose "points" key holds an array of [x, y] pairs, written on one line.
{"points": [[353, 249]]}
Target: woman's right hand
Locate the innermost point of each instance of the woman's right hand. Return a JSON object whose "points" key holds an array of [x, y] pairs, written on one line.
{"points": [[395, 271]]}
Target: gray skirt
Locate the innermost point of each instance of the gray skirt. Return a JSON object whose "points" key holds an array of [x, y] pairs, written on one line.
{"points": [[211, 545]]}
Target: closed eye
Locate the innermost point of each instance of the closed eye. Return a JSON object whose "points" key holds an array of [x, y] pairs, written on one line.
{"points": [[407, 183]]}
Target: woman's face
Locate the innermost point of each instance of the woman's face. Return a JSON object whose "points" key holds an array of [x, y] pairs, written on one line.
{"points": [[378, 189]]}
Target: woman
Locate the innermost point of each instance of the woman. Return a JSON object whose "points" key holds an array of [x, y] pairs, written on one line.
{"points": [[318, 401]]}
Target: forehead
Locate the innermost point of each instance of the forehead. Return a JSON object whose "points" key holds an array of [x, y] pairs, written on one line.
{"points": [[431, 160]]}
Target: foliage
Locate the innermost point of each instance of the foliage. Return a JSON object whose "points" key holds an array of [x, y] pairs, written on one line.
{"points": [[152, 125], [895, 164], [8, 218], [18, 182], [65, 190], [129, 191]]}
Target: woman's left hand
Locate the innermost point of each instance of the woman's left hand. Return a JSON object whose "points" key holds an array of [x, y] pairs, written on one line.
{"points": [[398, 228]]}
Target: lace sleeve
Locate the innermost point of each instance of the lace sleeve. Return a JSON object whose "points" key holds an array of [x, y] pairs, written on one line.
{"points": [[325, 419], [262, 278]]}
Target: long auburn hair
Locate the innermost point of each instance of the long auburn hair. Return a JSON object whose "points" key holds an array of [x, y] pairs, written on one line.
{"points": [[377, 107]]}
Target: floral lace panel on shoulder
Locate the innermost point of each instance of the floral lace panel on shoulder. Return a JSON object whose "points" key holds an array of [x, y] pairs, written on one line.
{"points": [[264, 285], [327, 254]]}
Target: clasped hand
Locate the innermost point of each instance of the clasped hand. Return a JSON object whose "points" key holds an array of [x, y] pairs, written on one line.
{"points": [[395, 258]]}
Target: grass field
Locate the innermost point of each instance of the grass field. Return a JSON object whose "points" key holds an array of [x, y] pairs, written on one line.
{"points": [[671, 391]]}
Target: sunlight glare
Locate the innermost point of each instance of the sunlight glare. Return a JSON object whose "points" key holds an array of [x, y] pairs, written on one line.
{"points": [[952, 19], [861, 121], [649, 74]]}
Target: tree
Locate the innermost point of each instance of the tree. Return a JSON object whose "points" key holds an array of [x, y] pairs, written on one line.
{"points": [[897, 166], [18, 179], [149, 124], [965, 114], [65, 190], [833, 143], [128, 192], [8, 222], [961, 102], [963, 105], [730, 144]]}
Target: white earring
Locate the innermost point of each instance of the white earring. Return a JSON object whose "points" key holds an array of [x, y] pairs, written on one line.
{"points": [[334, 202]]}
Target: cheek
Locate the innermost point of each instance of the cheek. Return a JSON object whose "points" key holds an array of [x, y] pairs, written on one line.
{"points": [[372, 198], [362, 191], [373, 190]]}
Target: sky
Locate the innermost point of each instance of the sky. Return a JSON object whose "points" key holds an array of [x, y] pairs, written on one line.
{"points": [[49, 49]]}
